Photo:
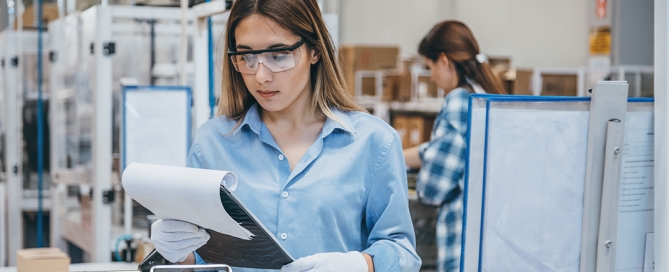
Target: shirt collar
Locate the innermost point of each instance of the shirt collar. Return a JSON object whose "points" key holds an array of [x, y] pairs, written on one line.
{"points": [[253, 121], [330, 124]]}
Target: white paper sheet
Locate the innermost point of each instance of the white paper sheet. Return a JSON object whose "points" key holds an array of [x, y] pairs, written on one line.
{"points": [[635, 217], [187, 194], [534, 188]]}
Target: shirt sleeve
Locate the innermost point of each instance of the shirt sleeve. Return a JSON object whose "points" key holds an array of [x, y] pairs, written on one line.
{"points": [[391, 241], [198, 259], [443, 157], [195, 158]]}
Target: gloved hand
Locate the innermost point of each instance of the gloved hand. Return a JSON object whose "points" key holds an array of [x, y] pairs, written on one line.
{"points": [[175, 239], [352, 261]]}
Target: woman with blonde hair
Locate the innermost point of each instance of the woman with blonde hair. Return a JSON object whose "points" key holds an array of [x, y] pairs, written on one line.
{"points": [[458, 66], [325, 177]]}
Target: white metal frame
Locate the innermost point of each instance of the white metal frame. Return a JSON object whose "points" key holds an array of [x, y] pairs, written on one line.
{"points": [[661, 135], [102, 137], [201, 57], [580, 72], [415, 76], [3, 185], [637, 70], [14, 79], [378, 76], [16, 44], [537, 80], [97, 241]]}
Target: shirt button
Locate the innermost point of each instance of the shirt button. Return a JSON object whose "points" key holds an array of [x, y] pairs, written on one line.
{"points": [[281, 157], [284, 194], [284, 236]]}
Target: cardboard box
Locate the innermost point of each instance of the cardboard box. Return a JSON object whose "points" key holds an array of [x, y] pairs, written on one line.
{"points": [[401, 124], [420, 128], [86, 215], [427, 88], [359, 57], [49, 13], [42, 259], [404, 89], [499, 63], [523, 83], [368, 86], [559, 85], [391, 87], [144, 247], [507, 78]]}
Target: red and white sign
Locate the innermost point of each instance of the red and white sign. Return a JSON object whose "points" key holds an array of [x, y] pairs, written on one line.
{"points": [[600, 9]]}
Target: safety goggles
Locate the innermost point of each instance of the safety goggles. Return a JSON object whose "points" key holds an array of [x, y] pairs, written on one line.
{"points": [[274, 59]]}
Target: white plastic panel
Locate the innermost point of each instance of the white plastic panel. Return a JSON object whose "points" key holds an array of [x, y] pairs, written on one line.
{"points": [[534, 185]]}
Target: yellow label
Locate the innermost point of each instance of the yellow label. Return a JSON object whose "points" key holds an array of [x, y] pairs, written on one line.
{"points": [[600, 41]]}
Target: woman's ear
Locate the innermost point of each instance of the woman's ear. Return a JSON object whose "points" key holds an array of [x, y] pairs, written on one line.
{"points": [[444, 60], [315, 56]]}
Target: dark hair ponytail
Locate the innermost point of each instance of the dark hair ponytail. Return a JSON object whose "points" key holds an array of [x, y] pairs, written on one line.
{"points": [[454, 39]]}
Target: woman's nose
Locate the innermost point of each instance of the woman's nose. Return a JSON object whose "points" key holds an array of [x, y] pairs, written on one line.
{"points": [[263, 74]]}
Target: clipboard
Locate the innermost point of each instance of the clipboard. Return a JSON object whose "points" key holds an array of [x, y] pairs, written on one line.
{"points": [[204, 197], [262, 251]]}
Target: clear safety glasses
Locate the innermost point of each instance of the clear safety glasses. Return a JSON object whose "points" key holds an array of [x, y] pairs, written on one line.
{"points": [[274, 59]]}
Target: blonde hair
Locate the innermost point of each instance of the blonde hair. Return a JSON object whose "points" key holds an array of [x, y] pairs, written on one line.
{"points": [[303, 18]]}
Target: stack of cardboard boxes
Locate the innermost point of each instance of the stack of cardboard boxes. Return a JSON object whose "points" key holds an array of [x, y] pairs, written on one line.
{"points": [[355, 58], [49, 13], [413, 128], [397, 82], [519, 82]]}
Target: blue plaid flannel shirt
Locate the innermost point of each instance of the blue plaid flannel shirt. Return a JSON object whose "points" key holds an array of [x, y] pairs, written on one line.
{"points": [[440, 181]]}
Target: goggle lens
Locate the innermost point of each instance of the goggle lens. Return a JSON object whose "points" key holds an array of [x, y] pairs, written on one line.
{"points": [[274, 61]]}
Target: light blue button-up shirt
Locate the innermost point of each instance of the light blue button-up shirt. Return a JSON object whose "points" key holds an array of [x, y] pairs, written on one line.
{"points": [[347, 193]]}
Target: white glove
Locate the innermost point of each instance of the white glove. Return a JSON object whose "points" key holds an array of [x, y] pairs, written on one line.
{"points": [[331, 261], [175, 239]]}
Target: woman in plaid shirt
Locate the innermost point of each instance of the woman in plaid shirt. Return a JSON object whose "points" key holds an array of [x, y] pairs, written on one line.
{"points": [[458, 66]]}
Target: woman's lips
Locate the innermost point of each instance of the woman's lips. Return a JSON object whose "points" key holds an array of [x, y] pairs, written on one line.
{"points": [[267, 94]]}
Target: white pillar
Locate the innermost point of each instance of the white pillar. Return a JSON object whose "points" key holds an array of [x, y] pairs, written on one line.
{"points": [[13, 144], [201, 73], [661, 133], [102, 133]]}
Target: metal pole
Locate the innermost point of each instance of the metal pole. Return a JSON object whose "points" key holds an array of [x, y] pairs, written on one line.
{"points": [[40, 126], [212, 95], [661, 132], [607, 239], [184, 44], [609, 101], [15, 178], [101, 149]]}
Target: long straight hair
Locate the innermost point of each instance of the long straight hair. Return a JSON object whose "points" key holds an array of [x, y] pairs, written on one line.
{"points": [[454, 39], [303, 18]]}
